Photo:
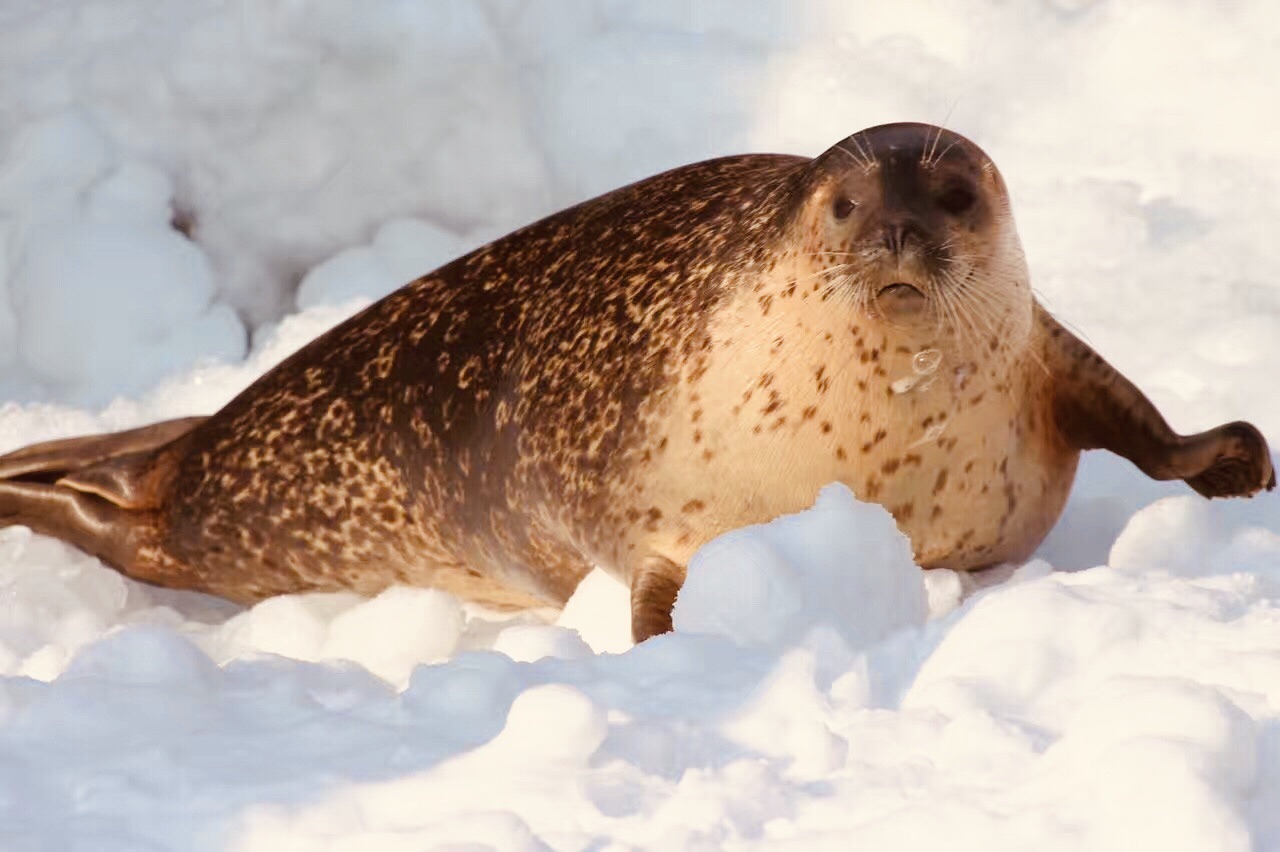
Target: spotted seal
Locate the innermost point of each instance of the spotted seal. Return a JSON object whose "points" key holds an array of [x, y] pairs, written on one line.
{"points": [[620, 382]]}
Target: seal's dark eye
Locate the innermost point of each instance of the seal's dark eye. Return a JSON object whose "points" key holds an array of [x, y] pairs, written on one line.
{"points": [[843, 207], [957, 199]]}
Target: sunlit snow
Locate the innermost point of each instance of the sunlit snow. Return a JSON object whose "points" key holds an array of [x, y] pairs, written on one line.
{"points": [[1121, 691]]}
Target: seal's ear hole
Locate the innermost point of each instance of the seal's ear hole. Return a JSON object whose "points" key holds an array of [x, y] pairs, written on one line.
{"points": [[957, 199], [842, 207]]}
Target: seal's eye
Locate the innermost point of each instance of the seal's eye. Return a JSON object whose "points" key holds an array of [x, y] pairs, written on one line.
{"points": [[843, 207], [956, 200]]}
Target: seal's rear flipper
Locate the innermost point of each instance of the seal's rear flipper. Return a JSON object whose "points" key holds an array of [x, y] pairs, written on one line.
{"points": [[93, 525], [49, 461], [85, 490]]}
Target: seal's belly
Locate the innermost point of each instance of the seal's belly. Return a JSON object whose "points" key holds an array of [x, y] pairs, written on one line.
{"points": [[976, 499], [972, 477], [973, 474]]}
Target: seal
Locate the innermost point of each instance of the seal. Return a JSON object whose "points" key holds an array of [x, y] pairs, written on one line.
{"points": [[622, 381]]}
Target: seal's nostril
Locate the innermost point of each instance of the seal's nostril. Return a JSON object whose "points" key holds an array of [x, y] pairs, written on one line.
{"points": [[898, 234]]}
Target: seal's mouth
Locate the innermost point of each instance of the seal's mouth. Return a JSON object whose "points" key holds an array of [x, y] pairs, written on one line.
{"points": [[900, 301], [899, 290]]}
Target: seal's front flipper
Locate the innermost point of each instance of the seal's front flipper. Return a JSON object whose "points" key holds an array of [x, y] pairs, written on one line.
{"points": [[654, 586], [1239, 461], [1097, 408]]}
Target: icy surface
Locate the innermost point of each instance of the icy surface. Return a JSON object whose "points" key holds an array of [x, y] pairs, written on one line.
{"points": [[190, 190]]}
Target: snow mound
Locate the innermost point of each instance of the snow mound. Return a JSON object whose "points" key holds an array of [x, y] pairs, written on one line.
{"points": [[841, 565]]}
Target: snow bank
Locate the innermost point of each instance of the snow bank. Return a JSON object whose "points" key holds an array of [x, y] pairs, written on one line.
{"points": [[191, 190], [1095, 709], [769, 585]]}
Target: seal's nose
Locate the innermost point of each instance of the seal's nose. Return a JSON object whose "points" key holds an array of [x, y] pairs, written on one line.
{"points": [[899, 233]]}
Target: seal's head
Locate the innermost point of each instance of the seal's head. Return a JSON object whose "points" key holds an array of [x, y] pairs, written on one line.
{"points": [[913, 224]]}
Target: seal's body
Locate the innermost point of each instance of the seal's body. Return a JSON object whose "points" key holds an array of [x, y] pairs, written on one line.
{"points": [[626, 379]]}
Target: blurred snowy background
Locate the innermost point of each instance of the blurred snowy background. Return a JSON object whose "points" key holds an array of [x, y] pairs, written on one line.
{"points": [[190, 189]]}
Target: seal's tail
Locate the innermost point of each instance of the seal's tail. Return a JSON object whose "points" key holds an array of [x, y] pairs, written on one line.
{"points": [[82, 490]]}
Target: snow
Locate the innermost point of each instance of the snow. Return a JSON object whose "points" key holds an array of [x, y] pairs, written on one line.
{"points": [[768, 585], [1119, 691]]}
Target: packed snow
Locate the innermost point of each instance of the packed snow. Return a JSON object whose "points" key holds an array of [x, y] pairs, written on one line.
{"points": [[191, 189]]}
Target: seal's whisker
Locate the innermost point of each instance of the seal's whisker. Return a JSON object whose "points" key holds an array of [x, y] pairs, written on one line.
{"points": [[945, 319], [860, 156], [926, 154], [927, 160], [856, 160], [957, 319], [985, 305], [947, 150], [869, 160], [852, 287], [978, 321], [825, 272], [1036, 356], [953, 290]]}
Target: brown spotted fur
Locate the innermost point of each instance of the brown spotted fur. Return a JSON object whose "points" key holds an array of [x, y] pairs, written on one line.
{"points": [[622, 381]]}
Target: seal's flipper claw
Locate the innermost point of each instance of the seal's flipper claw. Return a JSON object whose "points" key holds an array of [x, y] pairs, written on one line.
{"points": [[1241, 463], [654, 586]]}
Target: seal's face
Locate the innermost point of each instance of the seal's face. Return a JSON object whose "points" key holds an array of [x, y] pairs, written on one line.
{"points": [[916, 229]]}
